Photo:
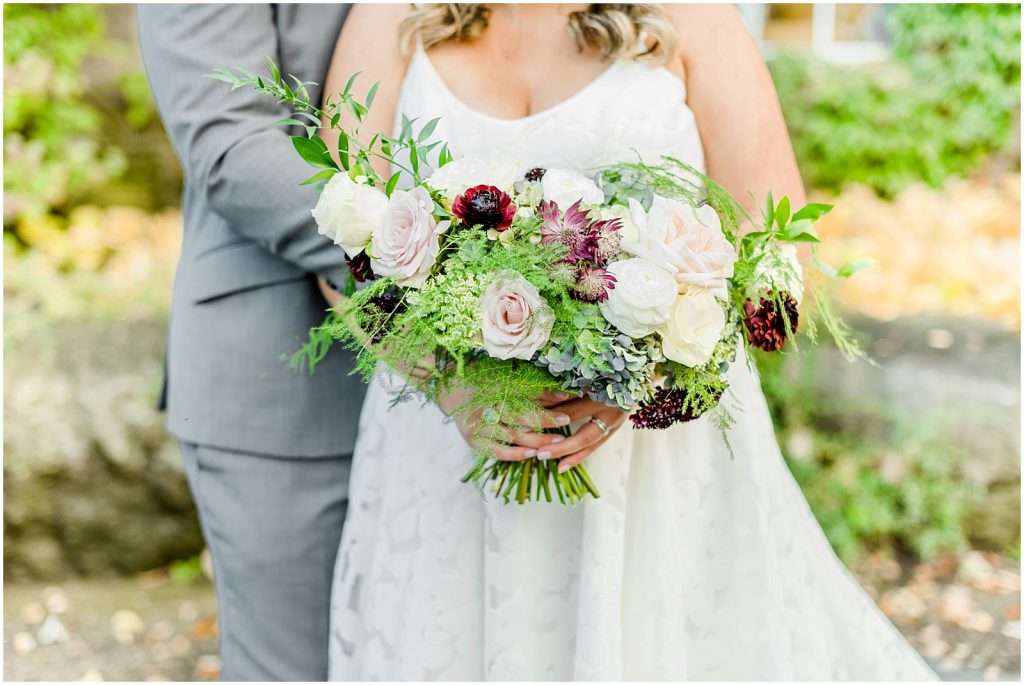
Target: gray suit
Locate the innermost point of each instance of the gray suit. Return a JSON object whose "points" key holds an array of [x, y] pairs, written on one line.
{"points": [[267, 449]]}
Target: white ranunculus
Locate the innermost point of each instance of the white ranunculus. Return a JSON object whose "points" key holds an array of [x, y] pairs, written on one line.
{"points": [[688, 240], [780, 267], [406, 245], [349, 213], [475, 170], [516, 319], [564, 187], [694, 327], [639, 303]]}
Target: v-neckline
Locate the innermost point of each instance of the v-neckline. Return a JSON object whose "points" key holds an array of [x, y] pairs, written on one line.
{"points": [[422, 55]]}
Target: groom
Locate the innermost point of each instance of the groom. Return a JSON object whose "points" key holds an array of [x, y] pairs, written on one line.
{"points": [[267, 450]]}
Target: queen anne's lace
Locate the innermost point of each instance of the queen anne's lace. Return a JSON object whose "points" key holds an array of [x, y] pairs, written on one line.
{"points": [[692, 565]]}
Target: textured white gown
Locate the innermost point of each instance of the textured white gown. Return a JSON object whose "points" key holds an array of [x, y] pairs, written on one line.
{"points": [[691, 565]]}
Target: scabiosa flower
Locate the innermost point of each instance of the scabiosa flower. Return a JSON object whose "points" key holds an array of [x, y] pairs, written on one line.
{"points": [[359, 267], [485, 206], [665, 409], [385, 305], [593, 283], [535, 174], [766, 327]]}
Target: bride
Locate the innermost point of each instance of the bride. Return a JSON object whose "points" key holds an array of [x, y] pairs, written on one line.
{"points": [[692, 565]]}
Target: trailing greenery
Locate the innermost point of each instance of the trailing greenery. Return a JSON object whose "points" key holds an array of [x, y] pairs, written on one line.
{"points": [[943, 104]]}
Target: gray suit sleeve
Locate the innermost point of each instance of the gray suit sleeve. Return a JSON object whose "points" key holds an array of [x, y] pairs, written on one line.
{"points": [[227, 141]]}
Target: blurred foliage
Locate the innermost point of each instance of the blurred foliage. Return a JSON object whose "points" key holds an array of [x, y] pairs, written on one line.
{"points": [[51, 153], [80, 125], [946, 102], [953, 250], [901, 487], [97, 263]]}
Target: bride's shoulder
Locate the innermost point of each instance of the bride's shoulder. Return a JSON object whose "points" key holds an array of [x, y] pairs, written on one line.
{"points": [[705, 29], [374, 26]]}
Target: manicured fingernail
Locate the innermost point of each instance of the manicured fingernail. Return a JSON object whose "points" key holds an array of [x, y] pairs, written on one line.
{"points": [[546, 454], [561, 395], [530, 453], [562, 420], [564, 466], [557, 439]]}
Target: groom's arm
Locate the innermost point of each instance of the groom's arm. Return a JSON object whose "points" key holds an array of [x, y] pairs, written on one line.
{"points": [[227, 141]]}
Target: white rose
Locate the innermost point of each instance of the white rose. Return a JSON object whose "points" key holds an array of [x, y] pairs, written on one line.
{"points": [[639, 303], [475, 170], [565, 187], [516, 319], [695, 323], [348, 212], [780, 267], [406, 244], [688, 240]]}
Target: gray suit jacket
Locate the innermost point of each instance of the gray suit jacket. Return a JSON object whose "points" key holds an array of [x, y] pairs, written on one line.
{"points": [[244, 292]]}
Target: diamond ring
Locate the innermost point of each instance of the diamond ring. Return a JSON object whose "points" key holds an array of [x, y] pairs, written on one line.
{"points": [[602, 425]]}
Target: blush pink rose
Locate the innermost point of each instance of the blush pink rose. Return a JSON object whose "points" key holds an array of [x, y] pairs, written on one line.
{"points": [[516, 319], [405, 246]]}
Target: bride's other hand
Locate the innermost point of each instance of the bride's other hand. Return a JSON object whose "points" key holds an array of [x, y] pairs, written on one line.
{"points": [[332, 296], [521, 444]]}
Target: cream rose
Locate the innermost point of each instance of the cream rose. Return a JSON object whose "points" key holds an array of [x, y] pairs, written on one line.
{"points": [[694, 327], [688, 240], [406, 244], [565, 187], [639, 303], [348, 212], [474, 170], [516, 319]]}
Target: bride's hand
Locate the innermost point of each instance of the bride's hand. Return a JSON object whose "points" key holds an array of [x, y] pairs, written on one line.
{"points": [[589, 437], [520, 444]]}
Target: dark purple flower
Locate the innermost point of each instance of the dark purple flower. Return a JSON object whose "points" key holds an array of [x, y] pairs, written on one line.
{"points": [[485, 206], [767, 326], [359, 267], [535, 174], [384, 306], [593, 283], [665, 409]]}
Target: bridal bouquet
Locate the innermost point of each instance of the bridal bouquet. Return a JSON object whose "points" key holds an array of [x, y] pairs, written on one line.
{"points": [[632, 284]]}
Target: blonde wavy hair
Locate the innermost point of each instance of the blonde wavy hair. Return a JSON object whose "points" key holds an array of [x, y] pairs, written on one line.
{"points": [[641, 32]]}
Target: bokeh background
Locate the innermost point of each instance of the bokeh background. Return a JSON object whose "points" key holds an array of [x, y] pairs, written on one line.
{"points": [[907, 117]]}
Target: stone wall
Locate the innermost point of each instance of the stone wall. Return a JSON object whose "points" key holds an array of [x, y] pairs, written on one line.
{"points": [[92, 483]]}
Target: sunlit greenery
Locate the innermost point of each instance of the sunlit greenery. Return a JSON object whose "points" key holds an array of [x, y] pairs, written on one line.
{"points": [[943, 104]]}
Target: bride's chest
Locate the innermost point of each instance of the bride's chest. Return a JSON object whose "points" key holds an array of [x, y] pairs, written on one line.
{"points": [[629, 111]]}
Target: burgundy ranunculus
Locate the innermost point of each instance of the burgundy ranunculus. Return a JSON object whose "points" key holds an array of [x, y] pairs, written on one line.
{"points": [[359, 267], [484, 206], [766, 327]]}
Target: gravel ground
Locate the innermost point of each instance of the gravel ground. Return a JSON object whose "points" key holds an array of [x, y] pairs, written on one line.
{"points": [[962, 614]]}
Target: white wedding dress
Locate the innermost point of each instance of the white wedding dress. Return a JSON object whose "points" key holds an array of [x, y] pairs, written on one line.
{"points": [[691, 565]]}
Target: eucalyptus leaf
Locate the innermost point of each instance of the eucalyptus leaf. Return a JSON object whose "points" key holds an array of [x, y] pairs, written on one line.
{"points": [[323, 175]]}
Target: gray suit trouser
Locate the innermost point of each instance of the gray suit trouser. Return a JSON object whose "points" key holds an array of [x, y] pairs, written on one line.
{"points": [[273, 564]]}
